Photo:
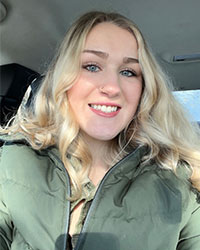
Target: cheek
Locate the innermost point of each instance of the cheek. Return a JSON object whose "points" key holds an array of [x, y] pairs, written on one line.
{"points": [[75, 92], [133, 95], [71, 95], [81, 88]]}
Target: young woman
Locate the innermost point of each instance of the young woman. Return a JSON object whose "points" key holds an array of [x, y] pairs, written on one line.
{"points": [[104, 157]]}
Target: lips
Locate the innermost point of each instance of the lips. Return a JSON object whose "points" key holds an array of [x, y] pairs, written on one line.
{"points": [[105, 108]]}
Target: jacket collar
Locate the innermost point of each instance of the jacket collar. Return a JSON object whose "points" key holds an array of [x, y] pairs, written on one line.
{"points": [[124, 167]]}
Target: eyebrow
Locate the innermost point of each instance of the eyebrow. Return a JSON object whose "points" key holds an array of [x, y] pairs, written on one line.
{"points": [[130, 60], [105, 55], [96, 52]]}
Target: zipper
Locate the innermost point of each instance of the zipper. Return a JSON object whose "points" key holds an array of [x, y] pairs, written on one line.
{"points": [[93, 204]]}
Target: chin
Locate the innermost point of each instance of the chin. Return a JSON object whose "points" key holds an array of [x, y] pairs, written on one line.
{"points": [[101, 133], [104, 136]]}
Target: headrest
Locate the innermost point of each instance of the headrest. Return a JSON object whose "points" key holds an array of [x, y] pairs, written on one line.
{"points": [[14, 80]]}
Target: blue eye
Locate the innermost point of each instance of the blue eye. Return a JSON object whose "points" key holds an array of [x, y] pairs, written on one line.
{"points": [[92, 68], [127, 73]]}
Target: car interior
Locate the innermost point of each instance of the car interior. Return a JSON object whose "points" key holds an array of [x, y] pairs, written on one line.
{"points": [[31, 31]]}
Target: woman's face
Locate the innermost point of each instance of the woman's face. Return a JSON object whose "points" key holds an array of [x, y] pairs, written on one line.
{"points": [[106, 95]]}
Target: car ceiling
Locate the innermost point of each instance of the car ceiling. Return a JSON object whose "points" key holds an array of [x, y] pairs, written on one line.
{"points": [[33, 29]]}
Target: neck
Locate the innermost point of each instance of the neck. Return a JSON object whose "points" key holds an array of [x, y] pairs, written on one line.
{"points": [[98, 150]]}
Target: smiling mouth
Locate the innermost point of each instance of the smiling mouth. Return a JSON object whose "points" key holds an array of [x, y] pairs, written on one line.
{"points": [[104, 108]]}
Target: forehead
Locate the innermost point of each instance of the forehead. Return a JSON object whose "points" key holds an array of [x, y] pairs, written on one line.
{"points": [[109, 36]]}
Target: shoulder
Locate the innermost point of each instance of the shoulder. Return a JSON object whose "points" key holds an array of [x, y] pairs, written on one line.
{"points": [[164, 187], [22, 164], [174, 190]]}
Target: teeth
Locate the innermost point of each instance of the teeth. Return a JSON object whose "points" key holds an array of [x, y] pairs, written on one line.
{"points": [[105, 109]]}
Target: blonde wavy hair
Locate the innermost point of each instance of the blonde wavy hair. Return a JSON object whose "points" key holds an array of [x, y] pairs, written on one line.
{"points": [[159, 123]]}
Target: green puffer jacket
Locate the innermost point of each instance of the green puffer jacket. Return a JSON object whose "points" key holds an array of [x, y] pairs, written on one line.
{"points": [[135, 207]]}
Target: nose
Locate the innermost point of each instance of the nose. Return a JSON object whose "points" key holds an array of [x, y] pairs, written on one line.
{"points": [[110, 86]]}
